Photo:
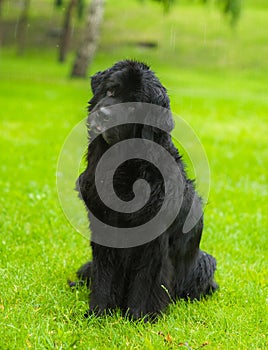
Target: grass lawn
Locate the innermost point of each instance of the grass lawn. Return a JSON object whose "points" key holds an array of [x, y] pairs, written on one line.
{"points": [[217, 81]]}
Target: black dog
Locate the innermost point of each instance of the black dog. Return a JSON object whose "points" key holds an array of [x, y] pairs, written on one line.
{"points": [[141, 280]]}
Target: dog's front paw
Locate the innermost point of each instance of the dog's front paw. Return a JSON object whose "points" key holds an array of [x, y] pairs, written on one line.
{"points": [[97, 312], [89, 313], [138, 314]]}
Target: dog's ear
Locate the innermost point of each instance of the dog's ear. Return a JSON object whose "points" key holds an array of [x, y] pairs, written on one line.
{"points": [[147, 132], [166, 125], [96, 80], [169, 122]]}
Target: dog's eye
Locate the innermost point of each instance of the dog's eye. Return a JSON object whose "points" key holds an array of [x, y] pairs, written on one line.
{"points": [[110, 93]]}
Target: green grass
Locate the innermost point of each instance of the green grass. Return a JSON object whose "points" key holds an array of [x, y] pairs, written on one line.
{"points": [[219, 85]]}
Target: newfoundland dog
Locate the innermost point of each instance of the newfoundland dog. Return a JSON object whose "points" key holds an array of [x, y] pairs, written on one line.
{"points": [[139, 280]]}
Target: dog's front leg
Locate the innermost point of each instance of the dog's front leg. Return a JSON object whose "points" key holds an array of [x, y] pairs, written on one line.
{"points": [[150, 291], [101, 297]]}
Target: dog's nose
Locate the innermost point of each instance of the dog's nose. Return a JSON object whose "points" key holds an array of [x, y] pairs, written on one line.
{"points": [[99, 117]]}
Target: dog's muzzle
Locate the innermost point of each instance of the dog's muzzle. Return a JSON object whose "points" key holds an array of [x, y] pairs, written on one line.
{"points": [[98, 119]]}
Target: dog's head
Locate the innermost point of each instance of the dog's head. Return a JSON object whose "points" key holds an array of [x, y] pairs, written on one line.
{"points": [[126, 81]]}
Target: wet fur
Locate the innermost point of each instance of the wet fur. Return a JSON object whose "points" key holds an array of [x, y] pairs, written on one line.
{"points": [[142, 280]]}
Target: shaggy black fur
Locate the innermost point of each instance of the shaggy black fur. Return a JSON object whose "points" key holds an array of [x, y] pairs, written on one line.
{"points": [[142, 280]]}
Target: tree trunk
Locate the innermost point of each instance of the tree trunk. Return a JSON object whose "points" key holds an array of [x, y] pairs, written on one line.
{"points": [[1, 23], [89, 43], [66, 31], [22, 26]]}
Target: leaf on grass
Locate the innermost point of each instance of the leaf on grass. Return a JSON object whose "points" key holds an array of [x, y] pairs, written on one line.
{"points": [[168, 338], [204, 344]]}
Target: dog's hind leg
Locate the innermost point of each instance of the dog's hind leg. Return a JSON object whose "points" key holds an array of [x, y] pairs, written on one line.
{"points": [[200, 280], [84, 274], [85, 271]]}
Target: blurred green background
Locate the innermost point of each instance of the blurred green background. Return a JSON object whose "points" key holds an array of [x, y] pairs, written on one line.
{"points": [[216, 73]]}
